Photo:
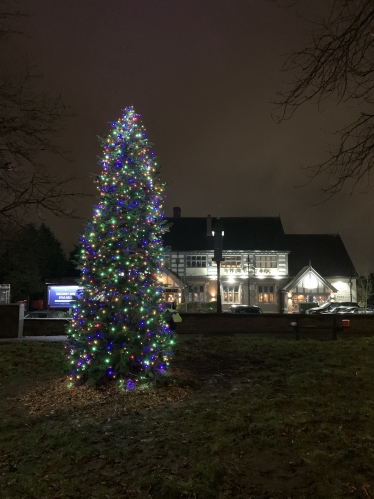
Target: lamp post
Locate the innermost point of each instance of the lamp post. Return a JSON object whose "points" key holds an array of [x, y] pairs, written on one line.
{"points": [[218, 234], [249, 283]]}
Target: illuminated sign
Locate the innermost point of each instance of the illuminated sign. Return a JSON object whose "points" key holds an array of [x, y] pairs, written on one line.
{"points": [[240, 272], [61, 296]]}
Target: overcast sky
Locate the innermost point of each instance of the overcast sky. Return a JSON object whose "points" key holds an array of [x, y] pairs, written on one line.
{"points": [[203, 74]]}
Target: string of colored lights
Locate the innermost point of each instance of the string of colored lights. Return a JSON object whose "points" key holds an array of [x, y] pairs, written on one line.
{"points": [[118, 331]]}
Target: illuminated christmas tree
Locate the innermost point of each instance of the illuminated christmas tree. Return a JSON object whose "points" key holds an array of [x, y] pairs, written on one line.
{"points": [[118, 331]]}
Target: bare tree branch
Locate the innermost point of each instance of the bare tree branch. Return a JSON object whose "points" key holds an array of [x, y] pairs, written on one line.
{"points": [[9, 19], [339, 62], [364, 287], [30, 123]]}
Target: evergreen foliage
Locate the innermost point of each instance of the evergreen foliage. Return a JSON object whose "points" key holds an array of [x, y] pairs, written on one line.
{"points": [[29, 258], [118, 331], [72, 269]]}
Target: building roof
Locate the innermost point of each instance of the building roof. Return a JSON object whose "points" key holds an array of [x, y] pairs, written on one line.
{"points": [[240, 233], [177, 283], [325, 252], [308, 269]]}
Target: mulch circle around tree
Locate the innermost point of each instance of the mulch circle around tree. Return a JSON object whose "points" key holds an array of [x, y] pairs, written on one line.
{"points": [[54, 397]]}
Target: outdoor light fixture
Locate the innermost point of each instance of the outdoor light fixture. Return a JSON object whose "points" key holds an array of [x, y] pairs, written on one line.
{"points": [[218, 232], [340, 285], [310, 282]]}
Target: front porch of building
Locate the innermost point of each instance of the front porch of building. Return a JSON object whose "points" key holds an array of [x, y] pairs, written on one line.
{"points": [[306, 287], [264, 293]]}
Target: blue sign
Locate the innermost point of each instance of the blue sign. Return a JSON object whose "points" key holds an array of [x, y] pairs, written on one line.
{"points": [[60, 296]]}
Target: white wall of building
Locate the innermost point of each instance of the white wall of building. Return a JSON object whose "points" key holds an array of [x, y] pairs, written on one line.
{"points": [[346, 289]]}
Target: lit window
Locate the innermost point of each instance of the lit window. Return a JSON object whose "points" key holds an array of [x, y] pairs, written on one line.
{"points": [[232, 262], [266, 294], [196, 293], [266, 262], [196, 261], [230, 294]]}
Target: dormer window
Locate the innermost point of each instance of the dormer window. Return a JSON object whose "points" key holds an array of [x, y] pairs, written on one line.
{"points": [[232, 262], [196, 261], [266, 262]]}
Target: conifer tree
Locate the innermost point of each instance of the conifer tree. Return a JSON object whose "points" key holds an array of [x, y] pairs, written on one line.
{"points": [[45, 260], [118, 331]]}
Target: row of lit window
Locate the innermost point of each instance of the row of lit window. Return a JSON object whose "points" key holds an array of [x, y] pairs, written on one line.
{"points": [[230, 294], [230, 261]]}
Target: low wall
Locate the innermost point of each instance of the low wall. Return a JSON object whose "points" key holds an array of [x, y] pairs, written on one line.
{"points": [[44, 327], [277, 325], [11, 320], [274, 325]]}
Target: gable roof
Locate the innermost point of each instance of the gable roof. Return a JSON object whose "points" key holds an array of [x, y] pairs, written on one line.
{"points": [[302, 274], [177, 283], [240, 233], [325, 252]]}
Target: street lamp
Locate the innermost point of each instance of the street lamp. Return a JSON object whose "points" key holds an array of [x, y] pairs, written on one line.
{"points": [[218, 234]]}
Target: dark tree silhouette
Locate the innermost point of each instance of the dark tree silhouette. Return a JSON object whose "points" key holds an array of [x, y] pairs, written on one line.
{"points": [[30, 258]]}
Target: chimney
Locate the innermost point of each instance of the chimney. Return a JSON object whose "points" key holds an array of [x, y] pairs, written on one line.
{"points": [[208, 225], [176, 212]]}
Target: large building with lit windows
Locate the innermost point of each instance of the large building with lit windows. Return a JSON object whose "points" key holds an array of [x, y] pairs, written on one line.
{"points": [[262, 265]]}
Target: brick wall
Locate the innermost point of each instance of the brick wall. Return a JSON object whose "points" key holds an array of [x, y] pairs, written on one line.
{"points": [[9, 320], [44, 327], [275, 325]]}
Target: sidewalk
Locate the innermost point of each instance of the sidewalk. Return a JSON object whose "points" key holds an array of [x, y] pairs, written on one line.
{"points": [[34, 338]]}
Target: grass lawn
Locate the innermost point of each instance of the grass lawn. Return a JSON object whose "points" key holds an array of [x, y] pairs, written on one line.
{"points": [[237, 418]]}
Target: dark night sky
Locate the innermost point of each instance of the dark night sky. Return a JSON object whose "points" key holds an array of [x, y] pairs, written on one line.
{"points": [[203, 74]]}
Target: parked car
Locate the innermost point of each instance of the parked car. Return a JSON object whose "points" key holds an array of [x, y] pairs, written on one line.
{"points": [[47, 314], [365, 311], [353, 310], [328, 307], [245, 309], [37, 314], [345, 310]]}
